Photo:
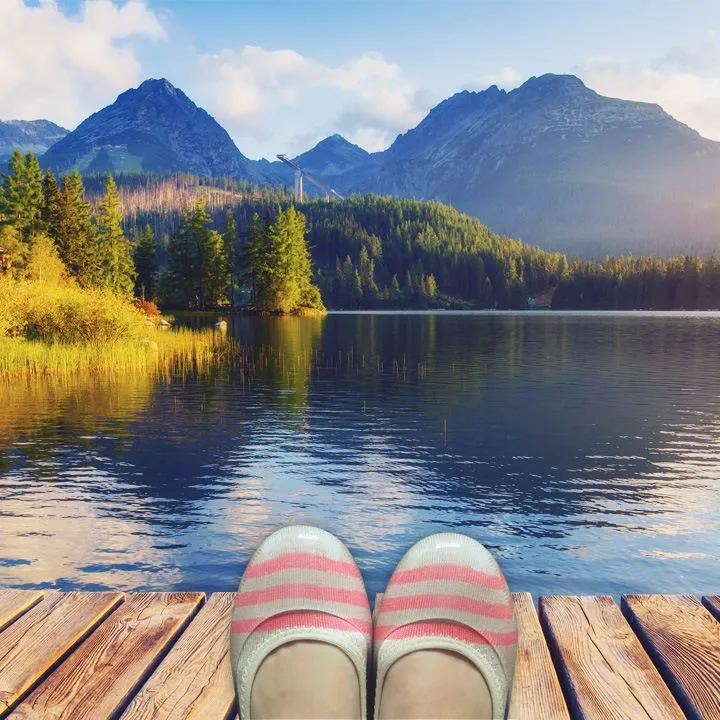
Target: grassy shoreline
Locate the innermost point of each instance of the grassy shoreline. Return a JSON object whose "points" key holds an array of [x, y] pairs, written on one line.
{"points": [[158, 351], [61, 329]]}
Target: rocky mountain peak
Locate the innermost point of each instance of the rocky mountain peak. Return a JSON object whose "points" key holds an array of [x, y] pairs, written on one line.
{"points": [[160, 85], [156, 128], [332, 156]]}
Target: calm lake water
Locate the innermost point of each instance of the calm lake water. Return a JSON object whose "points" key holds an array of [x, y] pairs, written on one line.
{"points": [[584, 449]]}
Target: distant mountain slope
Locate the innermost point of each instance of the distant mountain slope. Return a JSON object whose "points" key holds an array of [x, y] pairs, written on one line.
{"points": [[557, 164], [28, 135], [332, 156], [155, 128], [327, 161]]}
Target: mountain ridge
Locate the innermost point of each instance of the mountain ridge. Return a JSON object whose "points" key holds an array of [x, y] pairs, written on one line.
{"points": [[552, 161], [28, 136], [153, 128]]}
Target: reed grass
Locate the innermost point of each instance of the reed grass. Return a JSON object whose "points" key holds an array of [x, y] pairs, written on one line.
{"points": [[160, 351], [64, 329]]}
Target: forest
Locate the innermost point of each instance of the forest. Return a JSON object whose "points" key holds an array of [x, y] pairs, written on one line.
{"points": [[199, 243]]}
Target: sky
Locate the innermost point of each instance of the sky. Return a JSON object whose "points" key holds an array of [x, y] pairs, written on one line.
{"points": [[280, 75]]}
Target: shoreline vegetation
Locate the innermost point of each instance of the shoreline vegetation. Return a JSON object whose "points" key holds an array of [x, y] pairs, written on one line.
{"points": [[80, 275], [75, 291], [57, 329]]}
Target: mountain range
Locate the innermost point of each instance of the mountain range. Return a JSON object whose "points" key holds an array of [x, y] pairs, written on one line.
{"points": [[29, 135], [551, 162]]}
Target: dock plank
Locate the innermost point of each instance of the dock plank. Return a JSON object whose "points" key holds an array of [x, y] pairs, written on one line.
{"points": [[712, 603], [194, 681], [602, 665], [536, 690], [100, 678], [683, 639], [44, 635], [13, 603]]}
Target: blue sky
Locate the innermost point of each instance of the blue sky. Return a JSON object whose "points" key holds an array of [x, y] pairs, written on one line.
{"points": [[282, 74]]}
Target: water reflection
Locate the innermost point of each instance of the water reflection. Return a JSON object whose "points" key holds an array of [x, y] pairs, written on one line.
{"points": [[585, 449]]}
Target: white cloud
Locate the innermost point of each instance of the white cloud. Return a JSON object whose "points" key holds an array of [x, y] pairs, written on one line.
{"points": [[508, 77], [368, 96], [684, 81], [62, 67]]}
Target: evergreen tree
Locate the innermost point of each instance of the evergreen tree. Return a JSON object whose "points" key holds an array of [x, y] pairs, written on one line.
{"points": [[211, 273], [395, 291], [22, 197], [116, 267], [52, 203], [255, 255], [180, 279], [280, 265], [230, 243], [34, 197], [216, 282], [76, 235], [146, 265]]}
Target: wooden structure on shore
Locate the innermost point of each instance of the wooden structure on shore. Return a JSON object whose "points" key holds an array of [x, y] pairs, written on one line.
{"points": [[164, 656], [542, 301]]}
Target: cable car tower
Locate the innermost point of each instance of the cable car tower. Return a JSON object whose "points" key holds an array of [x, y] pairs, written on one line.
{"points": [[300, 174]]}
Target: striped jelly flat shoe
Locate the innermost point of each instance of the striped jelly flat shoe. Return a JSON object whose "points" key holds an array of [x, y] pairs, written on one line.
{"points": [[301, 584], [449, 593]]}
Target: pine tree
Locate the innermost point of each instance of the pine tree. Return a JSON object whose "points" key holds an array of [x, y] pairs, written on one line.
{"points": [[218, 280], [180, 279], [230, 241], [210, 263], [34, 197], [146, 265], [51, 208], [76, 235], [13, 189], [22, 194], [117, 270], [279, 262], [395, 292], [255, 255]]}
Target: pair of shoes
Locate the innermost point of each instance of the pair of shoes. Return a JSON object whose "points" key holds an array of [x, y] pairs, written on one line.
{"points": [[447, 593]]}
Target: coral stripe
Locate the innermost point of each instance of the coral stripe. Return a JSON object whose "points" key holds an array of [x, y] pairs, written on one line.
{"points": [[496, 611], [304, 619], [301, 591], [447, 630], [461, 573], [302, 560]]}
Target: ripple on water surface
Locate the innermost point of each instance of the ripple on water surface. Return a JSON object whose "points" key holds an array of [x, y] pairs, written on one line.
{"points": [[584, 449]]}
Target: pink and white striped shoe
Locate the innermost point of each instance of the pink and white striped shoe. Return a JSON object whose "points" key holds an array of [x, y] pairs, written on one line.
{"points": [[449, 593], [301, 584]]}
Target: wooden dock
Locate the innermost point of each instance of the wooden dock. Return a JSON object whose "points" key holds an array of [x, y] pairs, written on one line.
{"points": [[137, 656]]}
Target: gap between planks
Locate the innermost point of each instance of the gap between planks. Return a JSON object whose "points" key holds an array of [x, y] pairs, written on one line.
{"points": [[683, 639], [102, 675]]}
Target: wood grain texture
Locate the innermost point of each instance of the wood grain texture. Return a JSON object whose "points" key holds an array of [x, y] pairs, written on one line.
{"points": [[194, 681], [41, 638], [99, 679], [536, 690], [683, 639], [603, 668], [13, 603], [712, 603]]}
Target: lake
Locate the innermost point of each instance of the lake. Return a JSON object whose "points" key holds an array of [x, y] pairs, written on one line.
{"points": [[584, 449]]}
